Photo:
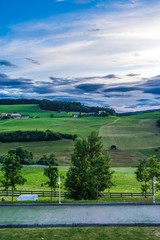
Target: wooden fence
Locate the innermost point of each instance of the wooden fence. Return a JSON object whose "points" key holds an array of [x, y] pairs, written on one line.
{"points": [[65, 194]]}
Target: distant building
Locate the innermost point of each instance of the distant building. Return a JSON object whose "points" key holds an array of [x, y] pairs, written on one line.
{"points": [[113, 147], [15, 115], [91, 113], [25, 116], [100, 112], [75, 115], [3, 114]]}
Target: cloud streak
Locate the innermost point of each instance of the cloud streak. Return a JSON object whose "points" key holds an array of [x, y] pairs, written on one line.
{"points": [[7, 64]]}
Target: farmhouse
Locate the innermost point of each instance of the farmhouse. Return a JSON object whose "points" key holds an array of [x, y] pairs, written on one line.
{"points": [[100, 112], [75, 115], [3, 114], [25, 116], [15, 115]]}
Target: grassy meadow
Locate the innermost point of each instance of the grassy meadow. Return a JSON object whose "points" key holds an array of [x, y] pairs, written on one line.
{"points": [[124, 181], [135, 136], [81, 233]]}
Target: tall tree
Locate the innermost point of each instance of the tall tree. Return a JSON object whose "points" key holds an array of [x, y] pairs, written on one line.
{"points": [[11, 170], [51, 173], [90, 171], [143, 176], [146, 170], [24, 156]]}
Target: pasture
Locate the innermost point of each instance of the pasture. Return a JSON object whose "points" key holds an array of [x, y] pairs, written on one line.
{"points": [[81, 233], [124, 181], [135, 136]]}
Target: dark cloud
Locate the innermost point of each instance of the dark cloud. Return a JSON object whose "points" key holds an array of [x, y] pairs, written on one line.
{"points": [[90, 87], [33, 61], [122, 89], [117, 96], [143, 100], [7, 64], [132, 75], [42, 90], [61, 81], [7, 82], [111, 76], [155, 91]]}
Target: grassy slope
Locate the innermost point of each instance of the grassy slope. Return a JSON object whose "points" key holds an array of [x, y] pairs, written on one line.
{"points": [[124, 182], [31, 109], [135, 136], [81, 233]]}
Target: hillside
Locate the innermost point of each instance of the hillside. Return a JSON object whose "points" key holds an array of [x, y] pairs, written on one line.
{"points": [[135, 136]]}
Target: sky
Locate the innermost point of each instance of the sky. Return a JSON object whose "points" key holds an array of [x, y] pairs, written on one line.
{"points": [[97, 52]]}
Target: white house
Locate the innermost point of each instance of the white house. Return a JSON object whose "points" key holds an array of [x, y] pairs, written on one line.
{"points": [[15, 115]]}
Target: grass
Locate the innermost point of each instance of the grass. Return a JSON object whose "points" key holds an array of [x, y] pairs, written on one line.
{"points": [[62, 149], [87, 233], [135, 136], [31, 109], [124, 181], [80, 126]]}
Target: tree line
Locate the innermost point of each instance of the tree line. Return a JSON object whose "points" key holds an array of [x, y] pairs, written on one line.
{"points": [[31, 136], [46, 104], [88, 176]]}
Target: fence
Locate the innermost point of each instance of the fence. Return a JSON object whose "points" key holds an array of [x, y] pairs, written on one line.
{"points": [[65, 194]]}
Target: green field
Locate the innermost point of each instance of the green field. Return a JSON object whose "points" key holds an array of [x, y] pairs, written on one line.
{"points": [[124, 181], [135, 136], [31, 109], [81, 233]]}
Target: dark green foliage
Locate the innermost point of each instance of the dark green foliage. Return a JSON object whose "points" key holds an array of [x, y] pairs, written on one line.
{"points": [[5, 118], [90, 171], [46, 104], [46, 160], [18, 101], [72, 107], [143, 176], [146, 170], [24, 156], [51, 115], [158, 122], [31, 136], [11, 170], [51, 172]]}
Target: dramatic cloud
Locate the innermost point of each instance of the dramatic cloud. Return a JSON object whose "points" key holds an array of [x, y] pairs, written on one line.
{"points": [[7, 64], [111, 76], [90, 87], [33, 61], [7, 82], [61, 81], [122, 89], [132, 75]]}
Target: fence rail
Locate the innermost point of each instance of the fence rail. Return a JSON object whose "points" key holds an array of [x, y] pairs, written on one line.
{"points": [[16, 193]]}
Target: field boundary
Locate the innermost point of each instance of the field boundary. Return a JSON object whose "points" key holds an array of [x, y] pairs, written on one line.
{"points": [[77, 225], [16, 193]]}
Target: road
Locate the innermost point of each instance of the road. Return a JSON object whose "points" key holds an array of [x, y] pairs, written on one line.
{"points": [[80, 214]]}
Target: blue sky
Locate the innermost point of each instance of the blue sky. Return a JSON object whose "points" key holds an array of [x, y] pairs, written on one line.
{"points": [[98, 52]]}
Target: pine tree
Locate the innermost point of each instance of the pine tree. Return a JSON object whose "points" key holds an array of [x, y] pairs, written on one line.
{"points": [[90, 171]]}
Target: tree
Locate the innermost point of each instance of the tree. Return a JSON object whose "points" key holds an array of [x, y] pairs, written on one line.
{"points": [[146, 170], [24, 156], [143, 176], [101, 174], [11, 169], [51, 173], [90, 170]]}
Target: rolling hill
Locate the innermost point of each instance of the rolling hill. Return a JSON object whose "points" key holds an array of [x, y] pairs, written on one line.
{"points": [[135, 136]]}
